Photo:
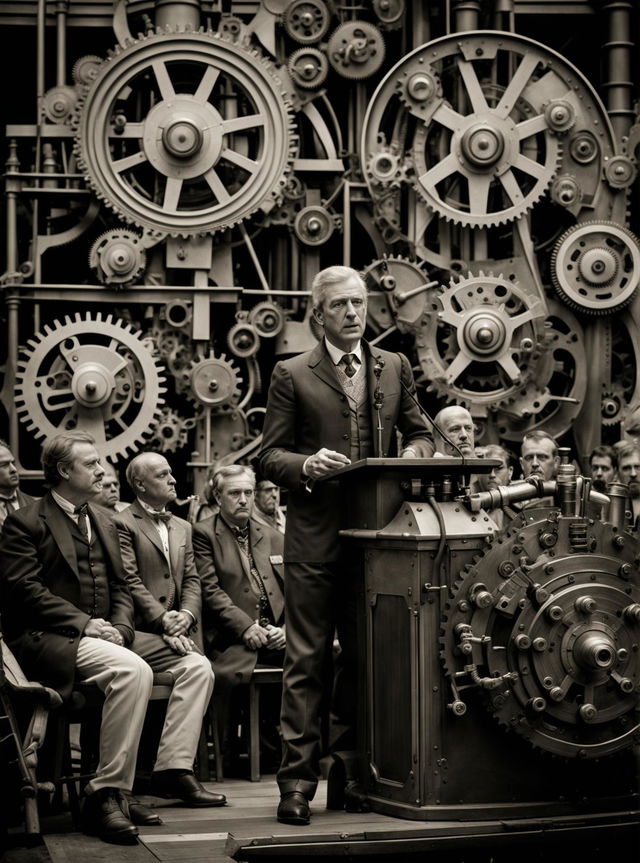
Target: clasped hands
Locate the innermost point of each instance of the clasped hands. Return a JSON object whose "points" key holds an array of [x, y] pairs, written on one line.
{"points": [[269, 636], [98, 627], [176, 626]]}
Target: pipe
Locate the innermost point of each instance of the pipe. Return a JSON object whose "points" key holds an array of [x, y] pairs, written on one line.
{"points": [[518, 491], [617, 493], [178, 13], [618, 67], [61, 42], [466, 15]]}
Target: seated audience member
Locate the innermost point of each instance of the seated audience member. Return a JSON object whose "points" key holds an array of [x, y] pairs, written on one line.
{"points": [[67, 615], [11, 498], [500, 475], [109, 497], [456, 422], [160, 569], [629, 474], [240, 566], [204, 505], [266, 509], [603, 462], [539, 459]]}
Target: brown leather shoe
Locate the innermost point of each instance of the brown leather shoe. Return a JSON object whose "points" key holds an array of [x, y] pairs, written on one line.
{"points": [[103, 816], [293, 808], [185, 787]]}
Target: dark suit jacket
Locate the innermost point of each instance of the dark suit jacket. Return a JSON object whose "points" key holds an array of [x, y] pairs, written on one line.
{"points": [[147, 570], [40, 590], [229, 604], [25, 499], [307, 410]]}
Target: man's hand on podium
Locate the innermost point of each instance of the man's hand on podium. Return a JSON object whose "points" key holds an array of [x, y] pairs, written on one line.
{"points": [[324, 462]]}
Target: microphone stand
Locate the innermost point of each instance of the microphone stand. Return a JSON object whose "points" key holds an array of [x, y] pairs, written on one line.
{"points": [[431, 420], [378, 402]]}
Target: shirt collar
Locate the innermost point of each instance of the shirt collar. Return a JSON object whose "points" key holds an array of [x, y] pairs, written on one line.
{"points": [[148, 508], [234, 527], [11, 499], [336, 354], [64, 504]]}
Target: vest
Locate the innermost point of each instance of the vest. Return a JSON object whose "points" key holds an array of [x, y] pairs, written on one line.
{"points": [[95, 598], [357, 391]]}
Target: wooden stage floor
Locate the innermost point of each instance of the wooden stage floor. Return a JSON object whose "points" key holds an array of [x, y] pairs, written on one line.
{"points": [[246, 829]]}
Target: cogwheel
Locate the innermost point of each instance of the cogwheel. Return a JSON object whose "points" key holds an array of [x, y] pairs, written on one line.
{"points": [[385, 168], [59, 104], [389, 12], [418, 86], [267, 318], [490, 327], [356, 50], [406, 286], [157, 147], [308, 68], [213, 381], [171, 432], [85, 69], [614, 405], [94, 374], [307, 21], [118, 257], [595, 267]]}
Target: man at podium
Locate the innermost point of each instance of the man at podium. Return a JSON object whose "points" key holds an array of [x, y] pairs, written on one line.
{"points": [[343, 401]]}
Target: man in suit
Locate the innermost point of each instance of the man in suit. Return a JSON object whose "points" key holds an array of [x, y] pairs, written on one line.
{"points": [[266, 508], [240, 566], [11, 498], [457, 424], [67, 614], [110, 495], [320, 417], [160, 568]]}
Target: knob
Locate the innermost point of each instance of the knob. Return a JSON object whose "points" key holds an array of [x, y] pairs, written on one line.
{"points": [[555, 612], [539, 644], [458, 708], [588, 712], [522, 641], [586, 604], [538, 704]]}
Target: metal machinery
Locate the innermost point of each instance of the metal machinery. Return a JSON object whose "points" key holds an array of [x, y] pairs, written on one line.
{"points": [[177, 171], [502, 669]]}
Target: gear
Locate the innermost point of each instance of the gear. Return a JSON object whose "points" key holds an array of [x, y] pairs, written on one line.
{"points": [[86, 69], [620, 172], [613, 405], [308, 68], [171, 431], [177, 313], [595, 267], [356, 50], [307, 21], [243, 339], [566, 191], [389, 11], [213, 381], [118, 257], [385, 168], [403, 284], [59, 104], [267, 319], [314, 225], [551, 607], [418, 86], [161, 152], [93, 374], [482, 329]]}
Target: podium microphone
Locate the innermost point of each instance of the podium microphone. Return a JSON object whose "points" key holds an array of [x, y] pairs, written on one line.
{"points": [[378, 402], [432, 421]]}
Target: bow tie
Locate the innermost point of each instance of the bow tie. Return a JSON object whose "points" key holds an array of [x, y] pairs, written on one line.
{"points": [[161, 516], [83, 509]]}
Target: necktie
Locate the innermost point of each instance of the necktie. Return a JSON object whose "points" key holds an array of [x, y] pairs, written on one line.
{"points": [[242, 532], [82, 512], [7, 506], [161, 516], [349, 367]]}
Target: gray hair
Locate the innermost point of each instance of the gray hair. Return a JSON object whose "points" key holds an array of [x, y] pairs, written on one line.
{"points": [[227, 472], [333, 276]]}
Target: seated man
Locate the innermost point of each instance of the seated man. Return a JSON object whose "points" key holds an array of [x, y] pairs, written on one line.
{"points": [[266, 509], [457, 424], [160, 569], [67, 615], [603, 462], [11, 497], [110, 494], [500, 475], [240, 566]]}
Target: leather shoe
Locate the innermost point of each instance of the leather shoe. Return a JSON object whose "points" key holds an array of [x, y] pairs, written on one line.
{"points": [[140, 814], [293, 808], [185, 787], [103, 816]]}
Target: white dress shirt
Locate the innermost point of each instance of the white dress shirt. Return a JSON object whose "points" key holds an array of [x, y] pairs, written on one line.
{"points": [[68, 509]]}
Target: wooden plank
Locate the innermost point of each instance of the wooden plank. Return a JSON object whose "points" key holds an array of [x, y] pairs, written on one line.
{"points": [[78, 848]]}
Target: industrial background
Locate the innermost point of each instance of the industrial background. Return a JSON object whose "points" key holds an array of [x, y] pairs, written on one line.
{"points": [[177, 172]]}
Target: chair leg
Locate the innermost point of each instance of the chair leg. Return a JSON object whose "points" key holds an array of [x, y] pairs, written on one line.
{"points": [[217, 748], [204, 773], [254, 732]]}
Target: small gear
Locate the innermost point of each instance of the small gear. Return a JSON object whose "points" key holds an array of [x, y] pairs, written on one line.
{"points": [[620, 172], [118, 257], [171, 432], [307, 21], [243, 339], [614, 405], [386, 168], [178, 313], [213, 381], [418, 86], [308, 68], [94, 374], [314, 225], [267, 319], [59, 104], [566, 191], [86, 69], [583, 148], [595, 267], [389, 11], [356, 50], [560, 115]]}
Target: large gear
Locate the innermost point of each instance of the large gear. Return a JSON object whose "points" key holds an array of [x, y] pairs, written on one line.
{"points": [[213, 381], [93, 374], [160, 150], [356, 50], [595, 267], [397, 292], [473, 109], [552, 606], [118, 257], [481, 341]]}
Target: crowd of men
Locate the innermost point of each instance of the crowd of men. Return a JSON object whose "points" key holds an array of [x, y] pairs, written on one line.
{"points": [[99, 591]]}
